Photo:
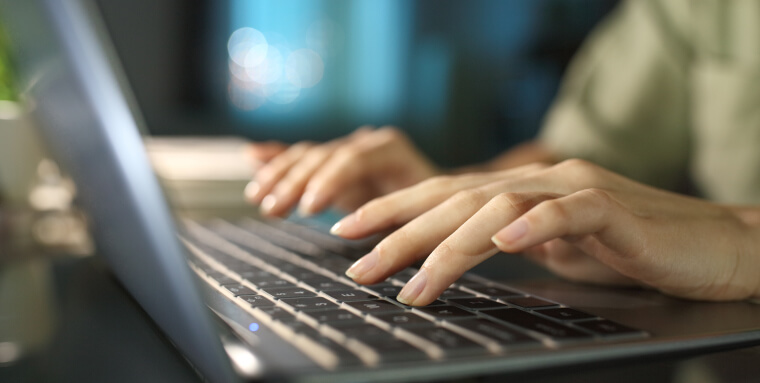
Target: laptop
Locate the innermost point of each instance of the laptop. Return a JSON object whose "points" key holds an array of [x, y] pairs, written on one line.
{"points": [[247, 298]]}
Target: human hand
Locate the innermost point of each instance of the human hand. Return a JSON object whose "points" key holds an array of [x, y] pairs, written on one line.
{"points": [[578, 220], [345, 172]]}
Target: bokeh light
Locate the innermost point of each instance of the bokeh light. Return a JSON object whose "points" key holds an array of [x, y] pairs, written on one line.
{"points": [[247, 47], [304, 68], [265, 68]]}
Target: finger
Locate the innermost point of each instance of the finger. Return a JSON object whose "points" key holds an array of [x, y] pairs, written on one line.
{"points": [[292, 173], [265, 151], [417, 238], [350, 165], [570, 262], [272, 172], [354, 197], [290, 187], [469, 245], [591, 218], [404, 205]]}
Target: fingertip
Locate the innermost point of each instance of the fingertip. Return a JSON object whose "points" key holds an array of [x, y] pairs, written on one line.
{"points": [[513, 235], [499, 244], [347, 227], [271, 206], [251, 192], [411, 294], [309, 204], [337, 229]]}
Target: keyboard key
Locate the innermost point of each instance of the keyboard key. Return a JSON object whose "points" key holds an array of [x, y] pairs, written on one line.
{"points": [[301, 273], [323, 283], [494, 292], [448, 341], [297, 326], [391, 349], [476, 303], [530, 302], [385, 289], [455, 293], [496, 332], [404, 275], [345, 357], [436, 302], [350, 295], [323, 240], [335, 318], [532, 322], [258, 276], [309, 304], [272, 283], [404, 319], [278, 313], [608, 328], [445, 312], [336, 265], [203, 266], [375, 307], [221, 278], [364, 331], [238, 289], [257, 300], [565, 313], [239, 266], [288, 292]]}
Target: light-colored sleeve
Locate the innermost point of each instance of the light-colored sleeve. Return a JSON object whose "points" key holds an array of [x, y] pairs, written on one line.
{"points": [[624, 100]]}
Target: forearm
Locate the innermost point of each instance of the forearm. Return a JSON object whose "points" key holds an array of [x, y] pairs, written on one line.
{"points": [[750, 216], [523, 154]]}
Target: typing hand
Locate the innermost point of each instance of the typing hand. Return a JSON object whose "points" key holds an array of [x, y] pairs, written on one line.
{"points": [[345, 172], [578, 220]]}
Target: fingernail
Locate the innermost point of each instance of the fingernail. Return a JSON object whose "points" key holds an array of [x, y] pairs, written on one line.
{"points": [[513, 232], [413, 288], [268, 203], [252, 191], [338, 228], [363, 265], [306, 205]]}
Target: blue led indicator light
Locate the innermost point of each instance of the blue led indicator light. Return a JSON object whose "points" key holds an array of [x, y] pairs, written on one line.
{"points": [[253, 327]]}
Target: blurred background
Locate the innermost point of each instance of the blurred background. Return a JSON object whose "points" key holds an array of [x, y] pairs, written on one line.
{"points": [[466, 79]]}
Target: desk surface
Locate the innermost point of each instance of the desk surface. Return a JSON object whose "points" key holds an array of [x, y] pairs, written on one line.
{"points": [[100, 334]]}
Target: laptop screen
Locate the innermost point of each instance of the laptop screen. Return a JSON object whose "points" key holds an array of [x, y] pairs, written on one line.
{"points": [[76, 94]]}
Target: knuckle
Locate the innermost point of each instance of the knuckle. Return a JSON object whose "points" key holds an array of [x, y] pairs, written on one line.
{"points": [[400, 239], [366, 210], [508, 202], [348, 153], [318, 150], [437, 182], [537, 166], [392, 134], [285, 187], [581, 171], [445, 248], [301, 146], [555, 209], [469, 197], [604, 200], [598, 195], [575, 163]]}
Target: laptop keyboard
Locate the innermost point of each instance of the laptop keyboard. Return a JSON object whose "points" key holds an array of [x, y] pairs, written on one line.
{"points": [[290, 278]]}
